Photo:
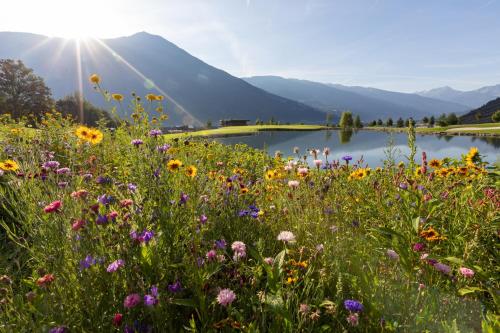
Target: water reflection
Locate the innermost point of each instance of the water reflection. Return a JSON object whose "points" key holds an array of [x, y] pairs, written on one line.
{"points": [[370, 145]]}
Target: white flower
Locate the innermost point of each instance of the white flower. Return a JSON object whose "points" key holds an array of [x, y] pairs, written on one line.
{"points": [[286, 236]]}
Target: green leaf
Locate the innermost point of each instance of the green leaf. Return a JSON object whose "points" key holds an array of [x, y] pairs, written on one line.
{"points": [[146, 254], [468, 290], [454, 260], [416, 224]]}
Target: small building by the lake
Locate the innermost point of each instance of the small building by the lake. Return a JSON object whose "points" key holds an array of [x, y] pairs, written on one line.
{"points": [[233, 122]]}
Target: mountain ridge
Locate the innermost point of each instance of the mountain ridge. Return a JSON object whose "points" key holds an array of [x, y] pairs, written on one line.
{"points": [[141, 62]]}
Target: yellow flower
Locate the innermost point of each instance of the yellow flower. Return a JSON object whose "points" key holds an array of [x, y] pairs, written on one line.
{"points": [[94, 78], [244, 190], [436, 164], [472, 156], [159, 98], [269, 175], [82, 132], [151, 97], [174, 165], [16, 131], [95, 136], [191, 171], [117, 97], [9, 165]]}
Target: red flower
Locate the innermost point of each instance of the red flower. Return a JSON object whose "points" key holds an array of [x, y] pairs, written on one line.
{"points": [[126, 202], [45, 280], [117, 319], [53, 207]]}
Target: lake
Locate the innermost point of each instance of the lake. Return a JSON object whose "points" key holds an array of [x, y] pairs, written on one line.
{"points": [[370, 145]]}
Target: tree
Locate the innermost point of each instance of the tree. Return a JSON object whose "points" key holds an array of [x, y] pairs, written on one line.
{"points": [[400, 122], [346, 120], [329, 118], [425, 120], [379, 122], [496, 116], [442, 120], [209, 123], [452, 119], [389, 122], [432, 121], [22, 93], [373, 123], [72, 104], [357, 122]]}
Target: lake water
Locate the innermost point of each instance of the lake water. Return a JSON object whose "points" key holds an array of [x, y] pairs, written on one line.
{"points": [[367, 144]]}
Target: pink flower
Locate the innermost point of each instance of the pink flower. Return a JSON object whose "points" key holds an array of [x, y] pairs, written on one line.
{"points": [[115, 265], [239, 249], [211, 255], [302, 171], [318, 163], [304, 309], [79, 194], [53, 207], [131, 301], [269, 261], [467, 272], [77, 225], [392, 254], [353, 319], [293, 183], [226, 297], [126, 202]]}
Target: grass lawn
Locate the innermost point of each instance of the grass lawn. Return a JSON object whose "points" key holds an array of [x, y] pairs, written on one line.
{"points": [[486, 128], [237, 130]]}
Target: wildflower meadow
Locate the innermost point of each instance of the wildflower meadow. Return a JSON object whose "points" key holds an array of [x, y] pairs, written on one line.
{"points": [[106, 230]]}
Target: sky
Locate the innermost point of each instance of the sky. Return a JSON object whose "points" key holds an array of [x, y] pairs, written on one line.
{"points": [[399, 45]]}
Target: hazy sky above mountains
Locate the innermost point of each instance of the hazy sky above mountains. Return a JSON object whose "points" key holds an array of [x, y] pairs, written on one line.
{"points": [[388, 44]]}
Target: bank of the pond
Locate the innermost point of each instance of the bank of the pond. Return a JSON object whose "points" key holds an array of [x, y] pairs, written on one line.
{"points": [[244, 130], [487, 129]]}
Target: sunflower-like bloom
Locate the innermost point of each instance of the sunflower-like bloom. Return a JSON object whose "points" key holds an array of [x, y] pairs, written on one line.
{"points": [[9, 165], [159, 98], [82, 132], [435, 164], [174, 165], [191, 171], [94, 78], [95, 136], [151, 97], [472, 156], [117, 97], [431, 235]]}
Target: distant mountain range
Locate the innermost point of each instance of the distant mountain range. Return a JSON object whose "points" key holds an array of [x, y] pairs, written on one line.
{"points": [[369, 103], [473, 98], [482, 114], [144, 63]]}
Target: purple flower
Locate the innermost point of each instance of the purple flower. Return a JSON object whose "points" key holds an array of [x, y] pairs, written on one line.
{"points": [[254, 214], [62, 184], [87, 176], [353, 305], [103, 180], [137, 142], [150, 300], [445, 269], [163, 148], [143, 237], [50, 165], [101, 219], [243, 213], [418, 247], [220, 244], [184, 198], [87, 262], [105, 199], [155, 132], [403, 186], [347, 158], [211, 255], [132, 187], [115, 265], [175, 287], [63, 171], [60, 329], [203, 219], [154, 291]]}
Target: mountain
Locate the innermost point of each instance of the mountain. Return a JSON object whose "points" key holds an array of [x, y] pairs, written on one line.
{"points": [[369, 103], [145, 63], [482, 114], [473, 98], [426, 105]]}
